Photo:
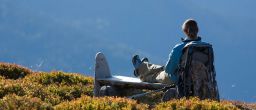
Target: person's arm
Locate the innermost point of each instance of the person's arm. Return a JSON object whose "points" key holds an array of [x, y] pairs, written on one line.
{"points": [[173, 62]]}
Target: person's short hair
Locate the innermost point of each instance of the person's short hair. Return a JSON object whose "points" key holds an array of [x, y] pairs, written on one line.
{"points": [[191, 24]]}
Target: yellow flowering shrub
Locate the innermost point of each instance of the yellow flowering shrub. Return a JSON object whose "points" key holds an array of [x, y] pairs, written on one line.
{"points": [[14, 102], [101, 103], [58, 77], [9, 87], [56, 87], [23, 89], [52, 88], [13, 71], [194, 104]]}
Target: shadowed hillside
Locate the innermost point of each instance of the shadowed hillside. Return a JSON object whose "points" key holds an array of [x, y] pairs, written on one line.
{"points": [[21, 88]]}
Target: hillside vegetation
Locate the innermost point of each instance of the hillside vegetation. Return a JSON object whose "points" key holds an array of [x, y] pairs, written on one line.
{"points": [[23, 89]]}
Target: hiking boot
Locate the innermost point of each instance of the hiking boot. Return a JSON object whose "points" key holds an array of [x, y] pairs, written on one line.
{"points": [[135, 73], [136, 61], [145, 59]]}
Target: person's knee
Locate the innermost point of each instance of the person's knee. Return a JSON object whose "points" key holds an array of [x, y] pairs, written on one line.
{"points": [[164, 78]]}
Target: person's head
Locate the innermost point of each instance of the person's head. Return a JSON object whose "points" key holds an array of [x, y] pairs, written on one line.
{"points": [[190, 28]]}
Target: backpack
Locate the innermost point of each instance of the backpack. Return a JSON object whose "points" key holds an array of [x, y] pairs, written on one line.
{"points": [[196, 72]]}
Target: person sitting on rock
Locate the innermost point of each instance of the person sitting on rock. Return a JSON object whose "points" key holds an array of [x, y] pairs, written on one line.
{"points": [[153, 73]]}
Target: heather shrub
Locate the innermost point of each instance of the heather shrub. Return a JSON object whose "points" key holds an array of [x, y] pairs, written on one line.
{"points": [[243, 105], [10, 87], [40, 91], [194, 104], [22, 89], [70, 92], [52, 88], [2, 78], [13, 71], [14, 102], [56, 87], [58, 77], [101, 103]]}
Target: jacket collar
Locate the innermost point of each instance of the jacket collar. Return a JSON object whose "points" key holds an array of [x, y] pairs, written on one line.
{"points": [[189, 40]]}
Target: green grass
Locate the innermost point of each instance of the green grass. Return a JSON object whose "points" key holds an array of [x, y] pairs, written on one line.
{"points": [[23, 89]]}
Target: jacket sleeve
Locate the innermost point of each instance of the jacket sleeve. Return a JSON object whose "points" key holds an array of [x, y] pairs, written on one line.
{"points": [[173, 61]]}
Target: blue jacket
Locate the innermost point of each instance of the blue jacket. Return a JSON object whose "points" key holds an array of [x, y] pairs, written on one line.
{"points": [[174, 58]]}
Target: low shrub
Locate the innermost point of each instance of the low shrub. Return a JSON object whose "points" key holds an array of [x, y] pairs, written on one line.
{"points": [[56, 87], [13, 71], [194, 104], [243, 105], [2, 78], [41, 91], [20, 88], [101, 103], [14, 102], [58, 77], [52, 88], [70, 92], [10, 88]]}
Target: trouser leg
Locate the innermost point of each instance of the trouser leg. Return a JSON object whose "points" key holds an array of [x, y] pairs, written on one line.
{"points": [[152, 73], [163, 77]]}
